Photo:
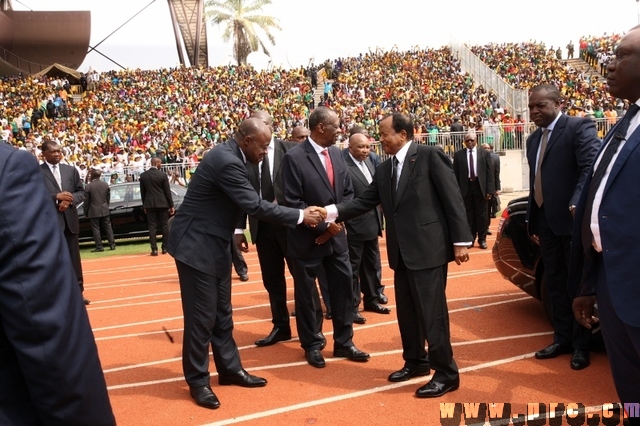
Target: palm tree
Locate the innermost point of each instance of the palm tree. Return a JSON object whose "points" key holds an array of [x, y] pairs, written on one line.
{"points": [[241, 23]]}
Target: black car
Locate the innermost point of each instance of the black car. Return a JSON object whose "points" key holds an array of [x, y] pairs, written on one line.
{"points": [[517, 255], [127, 215]]}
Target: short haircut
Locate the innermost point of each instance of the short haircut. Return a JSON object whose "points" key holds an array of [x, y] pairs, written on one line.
{"points": [[357, 129], [552, 91], [400, 122], [48, 145], [319, 115]]}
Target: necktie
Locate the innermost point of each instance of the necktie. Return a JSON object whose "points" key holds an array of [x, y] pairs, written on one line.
{"points": [[56, 175], [394, 178], [266, 185], [537, 183], [596, 179], [472, 168], [328, 165], [365, 172]]}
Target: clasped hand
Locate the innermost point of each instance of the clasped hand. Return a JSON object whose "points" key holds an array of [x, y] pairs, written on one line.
{"points": [[332, 229], [314, 215]]}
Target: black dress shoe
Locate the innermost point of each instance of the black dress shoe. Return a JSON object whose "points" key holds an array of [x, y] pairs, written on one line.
{"points": [[154, 252], [482, 245], [435, 389], [350, 352], [328, 314], [323, 339], [489, 232], [377, 308], [85, 300], [242, 378], [205, 397], [293, 313], [97, 250], [382, 299], [580, 359], [164, 251], [278, 334], [244, 277], [112, 247], [314, 358], [359, 319], [407, 373], [552, 351]]}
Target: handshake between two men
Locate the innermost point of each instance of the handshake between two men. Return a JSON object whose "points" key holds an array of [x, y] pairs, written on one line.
{"points": [[314, 215]]}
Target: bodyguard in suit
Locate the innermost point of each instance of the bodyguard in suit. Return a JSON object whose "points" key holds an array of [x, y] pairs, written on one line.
{"points": [[201, 238], [426, 228], [96, 204], [605, 245], [157, 203], [493, 205], [271, 239], [559, 153], [363, 231], [314, 173], [50, 373], [66, 191], [473, 168]]}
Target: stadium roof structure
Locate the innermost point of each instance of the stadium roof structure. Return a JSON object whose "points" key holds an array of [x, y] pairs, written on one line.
{"points": [[188, 19]]}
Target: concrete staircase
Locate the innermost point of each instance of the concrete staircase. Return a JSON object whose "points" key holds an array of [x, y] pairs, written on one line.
{"points": [[582, 66]]}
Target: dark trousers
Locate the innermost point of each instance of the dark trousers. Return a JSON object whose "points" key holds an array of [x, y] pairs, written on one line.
{"points": [[105, 222], [158, 219], [73, 245], [555, 251], [365, 271], [239, 264], [308, 309], [271, 244], [621, 340], [476, 207], [323, 283], [421, 304], [206, 306]]}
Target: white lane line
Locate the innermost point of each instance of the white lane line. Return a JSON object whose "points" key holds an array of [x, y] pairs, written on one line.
{"points": [[351, 395], [328, 333], [155, 321]]}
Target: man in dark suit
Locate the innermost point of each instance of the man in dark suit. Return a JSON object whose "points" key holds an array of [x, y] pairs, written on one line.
{"points": [[96, 204], [605, 232], [314, 173], [363, 231], [474, 172], [157, 203], [271, 239], [426, 228], [559, 153], [50, 373], [201, 238], [493, 205], [67, 192]]}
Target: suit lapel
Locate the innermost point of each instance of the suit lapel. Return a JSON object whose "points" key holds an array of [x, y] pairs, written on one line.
{"points": [[407, 168], [555, 134], [356, 170], [47, 172], [629, 147]]}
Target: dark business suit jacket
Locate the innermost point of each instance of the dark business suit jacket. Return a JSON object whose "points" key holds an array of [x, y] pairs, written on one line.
{"points": [[428, 215], [98, 195], [306, 184], [484, 172], [71, 183], [155, 190], [619, 233], [279, 149], [495, 158], [49, 368], [368, 226], [570, 151], [220, 191]]}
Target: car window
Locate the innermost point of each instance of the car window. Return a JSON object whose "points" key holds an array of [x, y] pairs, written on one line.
{"points": [[136, 193], [118, 193]]}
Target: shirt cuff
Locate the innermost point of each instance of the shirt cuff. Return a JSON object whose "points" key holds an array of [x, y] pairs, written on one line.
{"points": [[463, 244], [301, 217], [239, 231], [332, 213]]}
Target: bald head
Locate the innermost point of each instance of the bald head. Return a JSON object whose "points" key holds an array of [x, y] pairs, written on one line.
{"points": [[253, 137], [263, 116], [299, 134], [156, 162]]}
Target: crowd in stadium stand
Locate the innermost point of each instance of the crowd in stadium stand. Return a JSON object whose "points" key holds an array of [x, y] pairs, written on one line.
{"points": [[127, 117]]}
